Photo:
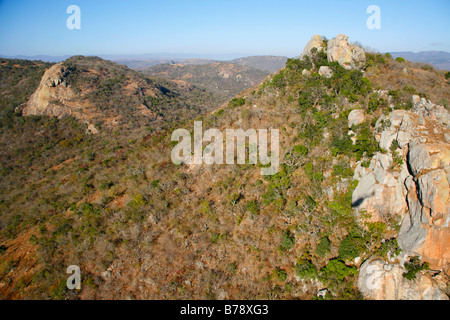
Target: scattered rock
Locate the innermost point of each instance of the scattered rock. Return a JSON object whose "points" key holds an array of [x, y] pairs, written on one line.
{"points": [[356, 117], [325, 71], [415, 100], [222, 295], [322, 293]]}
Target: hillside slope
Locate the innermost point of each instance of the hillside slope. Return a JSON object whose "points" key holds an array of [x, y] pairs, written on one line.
{"points": [[268, 64], [224, 79], [100, 92], [141, 227], [438, 59]]}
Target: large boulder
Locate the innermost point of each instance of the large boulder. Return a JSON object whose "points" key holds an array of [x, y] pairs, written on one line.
{"points": [[315, 42], [355, 117], [379, 280], [348, 55]]}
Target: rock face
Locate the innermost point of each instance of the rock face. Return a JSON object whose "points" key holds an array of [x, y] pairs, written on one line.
{"points": [[379, 280], [53, 95], [348, 55], [380, 191], [417, 190], [315, 42]]}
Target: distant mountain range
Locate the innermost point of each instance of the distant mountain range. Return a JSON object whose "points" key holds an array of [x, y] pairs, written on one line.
{"points": [[264, 63], [136, 57], [438, 59]]}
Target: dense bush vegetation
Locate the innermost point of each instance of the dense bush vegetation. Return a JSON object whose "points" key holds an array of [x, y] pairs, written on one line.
{"points": [[115, 204]]}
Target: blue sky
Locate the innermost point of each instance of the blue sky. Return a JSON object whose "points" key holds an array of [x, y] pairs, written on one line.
{"points": [[240, 27]]}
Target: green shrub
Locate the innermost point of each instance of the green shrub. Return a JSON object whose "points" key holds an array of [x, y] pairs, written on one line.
{"points": [[389, 247], [234, 198], [375, 102], [323, 247], [204, 206], [236, 102], [341, 144], [34, 240], [306, 269], [106, 185], [413, 267], [155, 183], [310, 202], [278, 80], [342, 203], [216, 237], [352, 84], [319, 58], [279, 183], [400, 59], [312, 174], [352, 246], [252, 207], [343, 170], [287, 241], [397, 158], [299, 64], [301, 150], [91, 156], [337, 270], [373, 60], [280, 274], [365, 145], [138, 200]]}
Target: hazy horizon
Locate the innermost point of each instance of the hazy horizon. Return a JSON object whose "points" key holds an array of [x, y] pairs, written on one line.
{"points": [[169, 56]]}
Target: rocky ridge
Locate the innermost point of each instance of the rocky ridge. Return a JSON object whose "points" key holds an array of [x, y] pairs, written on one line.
{"points": [[409, 179]]}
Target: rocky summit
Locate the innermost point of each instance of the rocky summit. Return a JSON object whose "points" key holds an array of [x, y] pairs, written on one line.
{"points": [[338, 49]]}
